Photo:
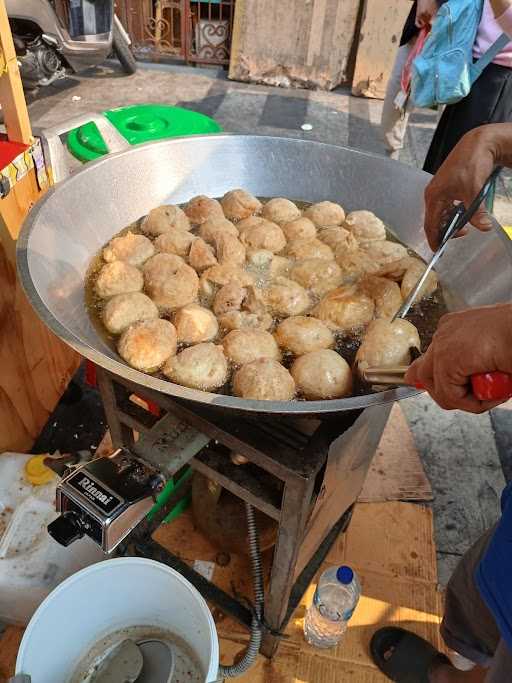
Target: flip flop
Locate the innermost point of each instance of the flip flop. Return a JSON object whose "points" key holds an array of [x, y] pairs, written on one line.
{"points": [[412, 658]]}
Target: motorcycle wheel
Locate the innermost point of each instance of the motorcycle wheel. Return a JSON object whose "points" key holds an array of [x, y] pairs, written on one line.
{"points": [[123, 53]]}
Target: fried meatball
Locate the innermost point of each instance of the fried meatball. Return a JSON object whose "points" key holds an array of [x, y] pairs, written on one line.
{"points": [[195, 324], [414, 271], [201, 208], [388, 255], [264, 380], [385, 294], [280, 267], [131, 248], [303, 249], [123, 310], [338, 238], [148, 344], [201, 255], [301, 334], [239, 204], [263, 235], [175, 242], [248, 223], [229, 298], [203, 366], [325, 214], [244, 346], [280, 210], [163, 219], [118, 277], [387, 344], [299, 229], [322, 374], [218, 276], [170, 282], [317, 274], [345, 308], [355, 264], [286, 297], [241, 320], [365, 226], [212, 228], [229, 250]]}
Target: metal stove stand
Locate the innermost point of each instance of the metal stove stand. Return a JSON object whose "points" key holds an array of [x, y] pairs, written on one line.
{"points": [[288, 460]]}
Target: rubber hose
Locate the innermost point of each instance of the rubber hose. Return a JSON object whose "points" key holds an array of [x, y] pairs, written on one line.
{"points": [[256, 626]]}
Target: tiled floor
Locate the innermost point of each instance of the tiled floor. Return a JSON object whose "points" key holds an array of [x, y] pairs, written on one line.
{"points": [[467, 460]]}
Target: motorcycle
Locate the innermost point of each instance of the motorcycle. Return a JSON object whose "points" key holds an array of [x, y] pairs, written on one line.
{"points": [[53, 40]]}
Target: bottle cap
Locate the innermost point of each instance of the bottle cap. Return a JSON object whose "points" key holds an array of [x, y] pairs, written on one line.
{"points": [[345, 575], [36, 471]]}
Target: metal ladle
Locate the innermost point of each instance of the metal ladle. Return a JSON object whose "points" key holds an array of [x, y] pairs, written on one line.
{"points": [[144, 661]]}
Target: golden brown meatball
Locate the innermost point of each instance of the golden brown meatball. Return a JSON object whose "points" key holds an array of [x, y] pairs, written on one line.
{"points": [[338, 238], [248, 223], [229, 250], [201, 208], [365, 226], [385, 294], [280, 267], [303, 249], [264, 380], [414, 271], [212, 228], [285, 297], [175, 242], [195, 324], [299, 229], [148, 344], [345, 308], [322, 374], [131, 248], [301, 334], [162, 219], [387, 344], [203, 366], [118, 277], [355, 264], [218, 276], [263, 235], [123, 310], [244, 346], [388, 255], [259, 258], [239, 204], [229, 298], [280, 210], [317, 274], [201, 255], [241, 320], [325, 214], [170, 282]]}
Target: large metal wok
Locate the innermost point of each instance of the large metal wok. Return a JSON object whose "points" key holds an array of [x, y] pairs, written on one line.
{"points": [[72, 222]]}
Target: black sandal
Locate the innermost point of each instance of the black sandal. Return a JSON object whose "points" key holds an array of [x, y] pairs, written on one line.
{"points": [[412, 657]]}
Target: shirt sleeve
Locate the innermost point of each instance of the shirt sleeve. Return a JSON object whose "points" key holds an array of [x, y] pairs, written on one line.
{"points": [[505, 21]]}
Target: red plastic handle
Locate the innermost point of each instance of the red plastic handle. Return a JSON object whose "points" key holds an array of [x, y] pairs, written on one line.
{"points": [[488, 386]]}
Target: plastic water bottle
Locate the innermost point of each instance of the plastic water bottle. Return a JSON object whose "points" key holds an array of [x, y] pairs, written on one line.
{"points": [[334, 602]]}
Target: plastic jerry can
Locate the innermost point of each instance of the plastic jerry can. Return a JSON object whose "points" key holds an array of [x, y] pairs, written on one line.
{"points": [[32, 564]]}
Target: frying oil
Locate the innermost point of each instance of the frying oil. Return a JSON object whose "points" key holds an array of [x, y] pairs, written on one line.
{"points": [[424, 315]]}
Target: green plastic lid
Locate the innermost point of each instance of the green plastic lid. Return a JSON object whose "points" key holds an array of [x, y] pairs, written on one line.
{"points": [[139, 123]]}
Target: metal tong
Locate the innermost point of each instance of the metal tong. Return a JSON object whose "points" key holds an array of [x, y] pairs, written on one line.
{"points": [[457, 219], [485, 386]]}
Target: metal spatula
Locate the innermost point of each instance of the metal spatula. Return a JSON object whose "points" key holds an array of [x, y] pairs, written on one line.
{"points": [[458, 218], [122, 665]]}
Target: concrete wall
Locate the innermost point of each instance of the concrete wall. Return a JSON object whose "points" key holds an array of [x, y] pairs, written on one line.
{"points": [[293, 43]]}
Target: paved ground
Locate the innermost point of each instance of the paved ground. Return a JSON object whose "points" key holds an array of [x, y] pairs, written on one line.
{"points": [[467, 458]]}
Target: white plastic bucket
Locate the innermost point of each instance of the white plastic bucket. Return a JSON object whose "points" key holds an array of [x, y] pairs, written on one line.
{"points": [[108, 596]]}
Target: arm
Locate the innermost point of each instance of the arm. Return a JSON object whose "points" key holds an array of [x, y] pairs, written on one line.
{"points": [[502, 10], [464, 172], [426, 10]]}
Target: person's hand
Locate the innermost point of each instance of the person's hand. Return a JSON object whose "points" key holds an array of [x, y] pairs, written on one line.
{"points": [[463, 174], [465, 343], [425, 12]]}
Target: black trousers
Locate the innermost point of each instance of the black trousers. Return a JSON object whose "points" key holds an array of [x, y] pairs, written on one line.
{"points": [[490, 101]]}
